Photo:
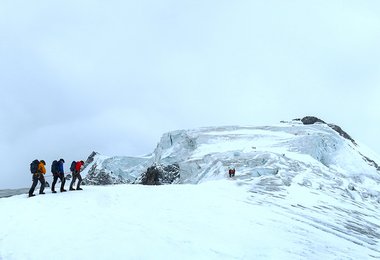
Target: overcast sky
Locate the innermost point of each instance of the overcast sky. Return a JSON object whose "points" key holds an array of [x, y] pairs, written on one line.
{"points": [[113, 76]]}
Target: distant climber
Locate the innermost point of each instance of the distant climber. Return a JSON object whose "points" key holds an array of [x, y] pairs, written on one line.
{"points": [[231, 172], [58, 172], [76, 175], [38, 170]]}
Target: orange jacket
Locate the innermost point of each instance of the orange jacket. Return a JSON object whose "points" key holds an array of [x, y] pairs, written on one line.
{"points": [[41, 168]]}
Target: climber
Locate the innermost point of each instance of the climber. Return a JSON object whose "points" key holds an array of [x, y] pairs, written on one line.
{"points": [[38, 170], [76, 175], [58, 172], [231, 172]]}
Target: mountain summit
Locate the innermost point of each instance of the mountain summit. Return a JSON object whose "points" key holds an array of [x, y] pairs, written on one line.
{"points": [[283, 150]]}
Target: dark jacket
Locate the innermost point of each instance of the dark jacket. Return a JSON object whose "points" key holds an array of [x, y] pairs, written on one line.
{"points": [[60, 167]]}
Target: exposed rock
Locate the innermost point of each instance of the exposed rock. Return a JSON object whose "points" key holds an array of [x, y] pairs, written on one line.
{"points": [[342, 133], [151, 176], [310, 120], [90, 158], [102, 177], [159, 174], [371, 162]]}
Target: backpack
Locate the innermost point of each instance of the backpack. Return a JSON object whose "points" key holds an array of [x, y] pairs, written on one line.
{"points": [[34, 166], [54, 167], [72, 166]]}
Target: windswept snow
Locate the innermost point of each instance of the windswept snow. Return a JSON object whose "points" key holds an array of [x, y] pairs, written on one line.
{"points": [[213, 220]]}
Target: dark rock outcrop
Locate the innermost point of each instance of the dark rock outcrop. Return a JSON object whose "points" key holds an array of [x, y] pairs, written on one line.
{"points": [[159, 174], [310, 120], [90, 159], [370, 162], [342, 133], [102, 177]]}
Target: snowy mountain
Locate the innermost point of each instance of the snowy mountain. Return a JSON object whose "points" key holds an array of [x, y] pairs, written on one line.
{"points": [[303, 167], [287, 149], [303, 189]]}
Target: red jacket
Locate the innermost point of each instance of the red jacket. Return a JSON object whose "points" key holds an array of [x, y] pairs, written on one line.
{"points": [[78, 165]]}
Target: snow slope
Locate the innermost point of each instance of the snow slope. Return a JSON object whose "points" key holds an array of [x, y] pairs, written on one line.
{"points": [[300, 192], [213, 220]]}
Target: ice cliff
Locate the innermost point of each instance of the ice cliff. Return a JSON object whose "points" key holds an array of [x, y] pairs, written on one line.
{"points": [[283, 150]]}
